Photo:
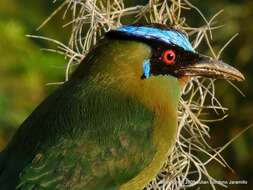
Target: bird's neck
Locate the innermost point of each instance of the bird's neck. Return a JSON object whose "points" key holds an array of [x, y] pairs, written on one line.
{"points": [[118, 64]]}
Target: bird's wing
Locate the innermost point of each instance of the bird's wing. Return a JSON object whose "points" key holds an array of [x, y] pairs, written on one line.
{"points": [[61, 166], [74, 165], [80, 139]]}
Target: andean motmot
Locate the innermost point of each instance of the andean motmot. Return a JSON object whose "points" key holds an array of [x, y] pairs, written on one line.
{"points": [[112, 125]]}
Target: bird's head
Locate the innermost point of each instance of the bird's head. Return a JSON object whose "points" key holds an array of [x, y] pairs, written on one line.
{"points": [[172, 54], [147, 61]]}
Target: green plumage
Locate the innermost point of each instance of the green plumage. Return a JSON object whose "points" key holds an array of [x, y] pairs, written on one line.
{"points": [[104, 129]]}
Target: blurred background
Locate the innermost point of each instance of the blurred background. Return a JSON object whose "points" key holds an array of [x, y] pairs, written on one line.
{"points": [[25, 70]]}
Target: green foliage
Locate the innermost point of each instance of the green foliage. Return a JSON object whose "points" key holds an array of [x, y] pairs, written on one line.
{"points": [[24, 72]]}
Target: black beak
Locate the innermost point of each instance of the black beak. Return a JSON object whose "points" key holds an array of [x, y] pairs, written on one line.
{"points": [[211, 68]]}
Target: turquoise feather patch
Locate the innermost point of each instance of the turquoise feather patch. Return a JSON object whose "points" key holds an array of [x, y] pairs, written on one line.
{"points": [[146, 68], [171, 37]]}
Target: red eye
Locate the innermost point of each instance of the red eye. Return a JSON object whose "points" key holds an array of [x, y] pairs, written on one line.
{"points": [[169, 57]]}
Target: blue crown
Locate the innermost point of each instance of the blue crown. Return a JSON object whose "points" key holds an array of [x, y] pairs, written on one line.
{"points": [[169, 36]]}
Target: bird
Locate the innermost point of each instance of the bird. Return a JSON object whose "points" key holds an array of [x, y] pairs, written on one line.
{"points": [[112, 125]]}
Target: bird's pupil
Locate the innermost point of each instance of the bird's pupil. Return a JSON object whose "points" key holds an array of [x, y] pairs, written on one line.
{"points": [[170, 57]]}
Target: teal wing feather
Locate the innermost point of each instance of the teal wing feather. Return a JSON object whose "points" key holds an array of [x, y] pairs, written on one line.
{"points": [[81, 137]]}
